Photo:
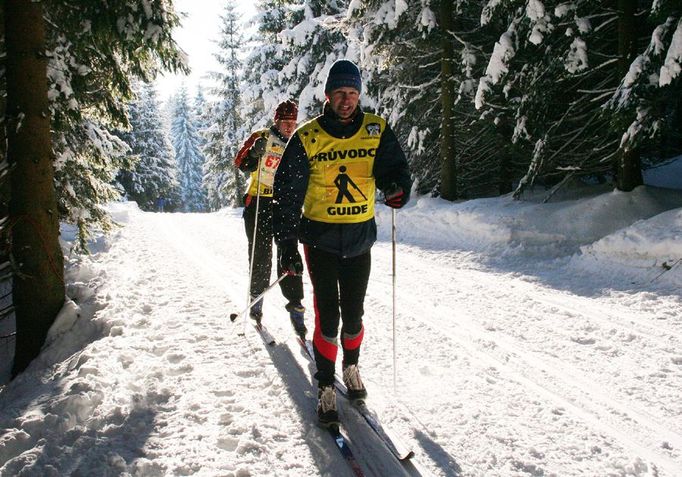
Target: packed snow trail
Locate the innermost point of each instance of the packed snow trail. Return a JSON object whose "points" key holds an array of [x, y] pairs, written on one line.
{"points": [[281, 400], [506, 367], [185, 240], [500, 324]]}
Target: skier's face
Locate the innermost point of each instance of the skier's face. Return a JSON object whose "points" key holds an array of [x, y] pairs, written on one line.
{"points": [[343, 102], [286, 127]]}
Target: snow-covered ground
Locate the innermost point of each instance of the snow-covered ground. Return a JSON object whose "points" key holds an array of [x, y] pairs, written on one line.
{"points": [[532, 340]]}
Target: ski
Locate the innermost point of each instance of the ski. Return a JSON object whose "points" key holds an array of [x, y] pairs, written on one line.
{"points": [[307, 346], [264, 333], [343, 447], [334, 430], [394, 444]]}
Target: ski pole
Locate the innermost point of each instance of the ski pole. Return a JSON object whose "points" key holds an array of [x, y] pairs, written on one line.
{"points": [[252, 256], [233, 316], [395, 369]]}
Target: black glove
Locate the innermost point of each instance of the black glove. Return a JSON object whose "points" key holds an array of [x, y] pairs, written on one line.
{"points": [[256, 151], [249, 163], [258, 148], [289, 259], [395, 196]]}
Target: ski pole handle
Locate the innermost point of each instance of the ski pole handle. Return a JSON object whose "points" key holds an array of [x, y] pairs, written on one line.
{"points": [[234, 316]]}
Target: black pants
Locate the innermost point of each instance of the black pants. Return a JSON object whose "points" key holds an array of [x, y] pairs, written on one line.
{"points": [[291, 286], [339, 287]]}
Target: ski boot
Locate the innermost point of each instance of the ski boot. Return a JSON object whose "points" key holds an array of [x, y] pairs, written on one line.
{"points": [[356, 390], [296, 315], [327, 414], [256, 312]]}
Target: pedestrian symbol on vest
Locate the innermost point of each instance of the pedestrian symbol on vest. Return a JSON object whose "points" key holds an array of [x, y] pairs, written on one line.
{"points": [[342, 182]]}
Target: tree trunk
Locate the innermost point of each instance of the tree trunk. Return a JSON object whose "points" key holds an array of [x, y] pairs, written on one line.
{"points": [[448, 176], [38, 291], [504, 184], [505, 180], [7, 326], [628, 166]]}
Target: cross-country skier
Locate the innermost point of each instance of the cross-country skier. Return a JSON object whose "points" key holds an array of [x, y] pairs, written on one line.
{"points": [[330, 171], [259, 156]]}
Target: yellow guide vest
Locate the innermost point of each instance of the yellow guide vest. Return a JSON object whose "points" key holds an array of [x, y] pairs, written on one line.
{"points": [[341, 187], [267, 165]]}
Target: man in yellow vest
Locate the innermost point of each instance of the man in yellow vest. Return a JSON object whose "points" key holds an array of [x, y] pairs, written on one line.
{"points": [[259, 157], [324, 195]]}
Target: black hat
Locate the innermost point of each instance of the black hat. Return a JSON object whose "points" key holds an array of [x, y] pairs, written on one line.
{"points": [[343, 73]]}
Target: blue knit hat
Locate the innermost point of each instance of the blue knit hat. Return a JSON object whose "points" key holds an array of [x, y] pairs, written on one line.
{"points": [[343, 73]]}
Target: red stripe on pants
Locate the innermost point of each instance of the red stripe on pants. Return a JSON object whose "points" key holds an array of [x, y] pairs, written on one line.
{"points": [[326, 348], [355, 341]]}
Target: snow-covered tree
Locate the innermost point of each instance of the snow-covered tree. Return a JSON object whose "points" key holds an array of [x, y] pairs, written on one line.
{"points": [[89, 52], [188, 155], [261, 88], [201, 112], [415, 71], [295, 45], [154, 173], [310, 46], [647, 104], [224, 183], [554, 75], [32, 228], [96, 50]]}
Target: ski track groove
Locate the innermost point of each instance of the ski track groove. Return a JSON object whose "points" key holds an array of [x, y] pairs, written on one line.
{"points": [[528, 358], [608, 319], [206, 271], [178, 358], [592, 412], [595, 408]]}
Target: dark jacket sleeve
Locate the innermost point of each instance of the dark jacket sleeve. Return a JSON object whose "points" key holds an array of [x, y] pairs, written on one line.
{"points": [[390, 163], [291, 184]]}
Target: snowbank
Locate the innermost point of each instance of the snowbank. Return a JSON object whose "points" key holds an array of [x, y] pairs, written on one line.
{"points": [[503, 226]]}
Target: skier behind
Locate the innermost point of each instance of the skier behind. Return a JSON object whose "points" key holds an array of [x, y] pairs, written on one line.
{"points": [[330, 169], [259, 156], [160, 203]]}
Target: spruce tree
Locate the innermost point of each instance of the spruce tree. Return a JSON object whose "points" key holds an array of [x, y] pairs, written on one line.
{"points": [[224, 183], [400, 50], [536, 70], [154, 173], [7, 329], [314, 39], [188, 155], [93, 51], [97, 49], [448, 185], [262, 89], [554, 76], [201, 112], [647, 103], [420, 68]]}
